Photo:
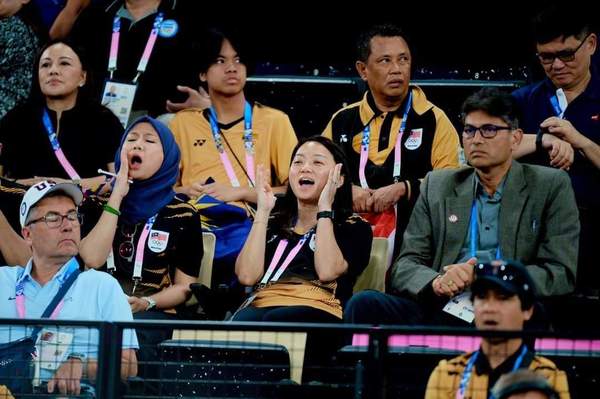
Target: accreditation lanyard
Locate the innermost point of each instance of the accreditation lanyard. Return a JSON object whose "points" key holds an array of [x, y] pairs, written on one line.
{"points": [[464, 382], [139, 253], [248, 145], [366, 140], [114, 46], [559, 103], [58, 152], [20, 291], [475, 232], [277, 256]]}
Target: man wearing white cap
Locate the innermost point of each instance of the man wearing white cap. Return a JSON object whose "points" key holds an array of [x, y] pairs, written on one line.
{"points": [[50, 226]]}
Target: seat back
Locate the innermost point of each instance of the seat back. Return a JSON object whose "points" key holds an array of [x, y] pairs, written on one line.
{"points": [[208, 241], [373, 277]]}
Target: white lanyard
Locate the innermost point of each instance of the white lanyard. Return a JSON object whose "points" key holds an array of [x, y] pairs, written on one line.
{"points": [[139, 254], [366, 140]]}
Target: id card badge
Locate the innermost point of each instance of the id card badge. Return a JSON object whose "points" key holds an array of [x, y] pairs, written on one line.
{"points": [[118, 97], [461, 306], [53, 348]]}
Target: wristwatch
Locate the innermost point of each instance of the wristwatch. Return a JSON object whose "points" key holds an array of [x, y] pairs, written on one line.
{"points": [[76, 355], [151, 302], [325, 214]]}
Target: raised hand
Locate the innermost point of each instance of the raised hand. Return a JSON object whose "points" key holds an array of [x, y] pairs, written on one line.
{"points": [[334, 181], [265, 199]]}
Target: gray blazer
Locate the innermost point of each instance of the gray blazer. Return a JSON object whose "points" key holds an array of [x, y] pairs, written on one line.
{"points": [[539, 226]]}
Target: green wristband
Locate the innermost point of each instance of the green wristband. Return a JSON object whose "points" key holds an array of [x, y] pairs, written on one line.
{"points": [[112, 210]]}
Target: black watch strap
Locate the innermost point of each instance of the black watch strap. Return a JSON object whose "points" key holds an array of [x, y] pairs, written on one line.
{"points": [[325, 214], [538, 141]]}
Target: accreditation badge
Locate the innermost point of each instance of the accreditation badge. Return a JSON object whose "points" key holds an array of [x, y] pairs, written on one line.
{"points": [[157, 241], [461, 306], [118, 97], [53, 348]]}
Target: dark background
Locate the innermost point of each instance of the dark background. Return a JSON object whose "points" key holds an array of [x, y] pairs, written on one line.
{"points": [[480, 41]]}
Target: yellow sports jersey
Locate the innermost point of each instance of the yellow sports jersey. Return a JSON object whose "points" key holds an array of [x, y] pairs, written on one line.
{"points": [[272, 134]]}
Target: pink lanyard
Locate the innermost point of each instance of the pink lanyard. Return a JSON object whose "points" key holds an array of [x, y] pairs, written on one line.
{"points": [[248, 145], [139, 253], [20, 294], [114, 46], [366, 140], [58, 152], [277, 256]]}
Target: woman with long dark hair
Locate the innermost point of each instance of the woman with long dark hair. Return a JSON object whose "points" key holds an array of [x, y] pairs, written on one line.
{"points": [[305, 257], [61, 133]]}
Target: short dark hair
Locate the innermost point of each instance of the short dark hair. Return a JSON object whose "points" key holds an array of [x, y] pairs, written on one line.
{"points": [[494, 102], [555, 22], [363, 44], [522, 381], [287, 206], [209, 48]]}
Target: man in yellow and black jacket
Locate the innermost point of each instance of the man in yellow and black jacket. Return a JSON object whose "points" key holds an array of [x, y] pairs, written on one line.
{"points": [[503, 299], [391, 105]]}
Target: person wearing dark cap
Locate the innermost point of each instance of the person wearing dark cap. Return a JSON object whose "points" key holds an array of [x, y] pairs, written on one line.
{"points": [[523, 384], [503, 295], [496, 208]]}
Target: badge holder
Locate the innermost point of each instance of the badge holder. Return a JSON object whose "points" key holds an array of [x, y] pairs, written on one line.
{"points": [[118, 97], [461, 306]]}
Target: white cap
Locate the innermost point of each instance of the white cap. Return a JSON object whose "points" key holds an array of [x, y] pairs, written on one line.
{"points": [[42, 189]]}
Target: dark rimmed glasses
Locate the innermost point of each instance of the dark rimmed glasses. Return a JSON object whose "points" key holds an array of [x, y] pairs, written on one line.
{"points": [[563, 55], [487, 131]]}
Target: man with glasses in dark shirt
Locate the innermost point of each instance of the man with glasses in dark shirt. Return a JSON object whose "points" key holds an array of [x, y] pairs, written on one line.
{"points": [[495, 209], [566, 105]]}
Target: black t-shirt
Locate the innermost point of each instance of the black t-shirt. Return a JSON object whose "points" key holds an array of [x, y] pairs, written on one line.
{"points": [[175, 242], [89, 135], [171, 62], [354, 237]]}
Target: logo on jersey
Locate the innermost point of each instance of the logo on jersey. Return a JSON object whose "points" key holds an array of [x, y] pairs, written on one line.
{"points": [[343, 138], [414, 140], [157, 242], [168, 28]]}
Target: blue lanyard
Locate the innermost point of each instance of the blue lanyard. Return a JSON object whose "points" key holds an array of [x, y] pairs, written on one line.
{"points": [[50, 131], [475, 232], [248, 145], [464, 382], [72, 265], [558, 103]]}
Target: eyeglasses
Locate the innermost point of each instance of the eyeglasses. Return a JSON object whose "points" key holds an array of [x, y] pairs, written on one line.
{"points": [[126, 249], [54, 220], [563, 55], [488, 131]]}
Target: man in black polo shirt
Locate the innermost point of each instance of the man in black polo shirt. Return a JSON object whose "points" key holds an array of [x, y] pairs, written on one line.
{"points": [[394, 135], [566, 105], [168, 65]]}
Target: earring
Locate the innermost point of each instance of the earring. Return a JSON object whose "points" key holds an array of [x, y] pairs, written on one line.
{"points": [[81, 84]]}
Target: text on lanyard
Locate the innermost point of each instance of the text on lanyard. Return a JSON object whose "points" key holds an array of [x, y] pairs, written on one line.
{"points": [[288, 259], [248, 145], [114, 46], [366, 140], [58, 152], [20, 291]]}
